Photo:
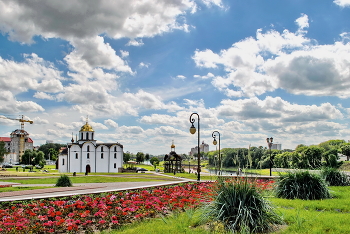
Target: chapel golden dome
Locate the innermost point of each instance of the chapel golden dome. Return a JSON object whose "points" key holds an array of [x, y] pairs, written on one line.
{"points": [[172, 145], [86, 128]]}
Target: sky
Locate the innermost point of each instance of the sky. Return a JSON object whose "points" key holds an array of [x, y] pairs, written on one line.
{"points": [[138, 69]]}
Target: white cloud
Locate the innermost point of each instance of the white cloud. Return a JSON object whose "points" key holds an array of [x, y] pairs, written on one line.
{"points": [[342, 3], [135, 42], [124, 53], [181, 77], [142, 64], [22, 20], [33, 73], [111, 123], [302, 22], [42, 95]]}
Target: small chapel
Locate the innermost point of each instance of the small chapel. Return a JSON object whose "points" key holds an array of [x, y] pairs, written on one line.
{"points": [[86, 155]]}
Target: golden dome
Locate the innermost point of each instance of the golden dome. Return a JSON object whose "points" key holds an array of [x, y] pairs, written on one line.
{"points": [[86, 128], [172, 145]]}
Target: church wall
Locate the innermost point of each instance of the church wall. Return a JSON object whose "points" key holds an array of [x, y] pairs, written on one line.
{"points": [[63, 163], [74, 163]]}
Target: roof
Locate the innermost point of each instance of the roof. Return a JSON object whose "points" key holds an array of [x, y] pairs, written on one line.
{"points": [[5, 139], [30, 140]]}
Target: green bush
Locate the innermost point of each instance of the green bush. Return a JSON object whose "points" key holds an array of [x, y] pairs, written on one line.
{"points": [[64, 181], [334, 177], [301, 185], [240, 207]]}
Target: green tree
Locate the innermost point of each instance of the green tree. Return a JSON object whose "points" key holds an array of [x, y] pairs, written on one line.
{"points": [[140, 157], [46, 148], [345, 149], [2, 151], [33, 158], [146, 157], [155, 162], [314, 156], [126, 157], [53, 154]]}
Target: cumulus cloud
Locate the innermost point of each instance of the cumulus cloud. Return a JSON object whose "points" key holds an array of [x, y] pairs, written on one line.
{"points": [[22, 20], [278, 109], [33, 73], [342, 3], [111, 123], [284, 60]]}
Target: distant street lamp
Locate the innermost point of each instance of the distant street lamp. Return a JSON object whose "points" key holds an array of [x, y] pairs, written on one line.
{"points": [[215, 142], [193, 131], [270, 143]]}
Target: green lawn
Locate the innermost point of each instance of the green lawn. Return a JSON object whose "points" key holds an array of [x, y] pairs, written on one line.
{"points": [[320, 216], [95, 179], [14, 189]]}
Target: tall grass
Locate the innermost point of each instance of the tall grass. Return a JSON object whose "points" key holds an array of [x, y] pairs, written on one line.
{"points": [[334, 177], [240, 207], [301, 185]]}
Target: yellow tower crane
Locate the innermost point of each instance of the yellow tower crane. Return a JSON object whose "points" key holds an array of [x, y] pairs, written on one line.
{"points": [[21, 137]]}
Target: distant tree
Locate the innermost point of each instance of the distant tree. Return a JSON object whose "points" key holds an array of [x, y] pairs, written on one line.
{"points": [[126, 157], [2, 151], [331, 144], [46, 148], [155, 162], [140, 157], [53, 154], [314, 156], [33, 157], [345, 149], [146, 157]]}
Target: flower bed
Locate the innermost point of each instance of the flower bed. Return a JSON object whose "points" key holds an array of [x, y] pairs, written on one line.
{"points": [[87, 213]]}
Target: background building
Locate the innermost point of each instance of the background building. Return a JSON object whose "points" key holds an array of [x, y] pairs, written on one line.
{"points": [[202, 148], [12, 145], [276, 146]]}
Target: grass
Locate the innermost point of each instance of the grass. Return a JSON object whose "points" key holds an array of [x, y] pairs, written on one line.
{"points": [[301, 216], [94, 179], [14, 189], [193, 176]]}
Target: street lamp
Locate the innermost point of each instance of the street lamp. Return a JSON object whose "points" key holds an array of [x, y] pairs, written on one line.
{"points": [[215, 142], [193, 131], [270, 143]]}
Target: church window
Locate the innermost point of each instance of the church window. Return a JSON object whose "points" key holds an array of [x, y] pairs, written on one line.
{"points": [[115, 148], [76, 155], [63, 161], [88, 148], [87, 136], [115, 155], [88, 155], [82, 136], [101, 148], [101, 155], [115, 165], [92, 134]]}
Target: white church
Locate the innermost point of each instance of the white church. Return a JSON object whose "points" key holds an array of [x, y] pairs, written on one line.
{"points": [[85, 155]]}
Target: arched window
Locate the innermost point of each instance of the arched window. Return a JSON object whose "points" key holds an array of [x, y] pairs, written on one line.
{"points": [[88, 155], [101, 148], [92, 134], [101, 155], [88, 148], [115, 148], [82, 136], [115, 155], [76, 155], [115, 165], [87, 136], [62, 161]]}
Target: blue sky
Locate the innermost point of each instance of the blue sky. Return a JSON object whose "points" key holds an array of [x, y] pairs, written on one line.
{"points": [[138, 69]]}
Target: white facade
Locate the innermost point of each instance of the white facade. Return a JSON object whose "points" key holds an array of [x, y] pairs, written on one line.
{"points": [[276, 146], [87, 156], [202, 148]]}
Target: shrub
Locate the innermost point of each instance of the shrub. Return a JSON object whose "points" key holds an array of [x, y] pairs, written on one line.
{"points": [[301, 185], [334, 177], [64, 181], [240, 207]]}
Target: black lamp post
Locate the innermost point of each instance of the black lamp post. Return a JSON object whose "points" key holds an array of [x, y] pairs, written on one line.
{"points": [[270, 143], [193, 131], [215, 142]]}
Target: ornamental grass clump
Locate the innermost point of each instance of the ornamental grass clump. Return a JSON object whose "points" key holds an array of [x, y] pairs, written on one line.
{"points": [[64, 181], [334, 177], [240, 207], [301, 185]]}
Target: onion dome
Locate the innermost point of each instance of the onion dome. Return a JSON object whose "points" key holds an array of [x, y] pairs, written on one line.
{"points": [[172, 145], [86, 128]]}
